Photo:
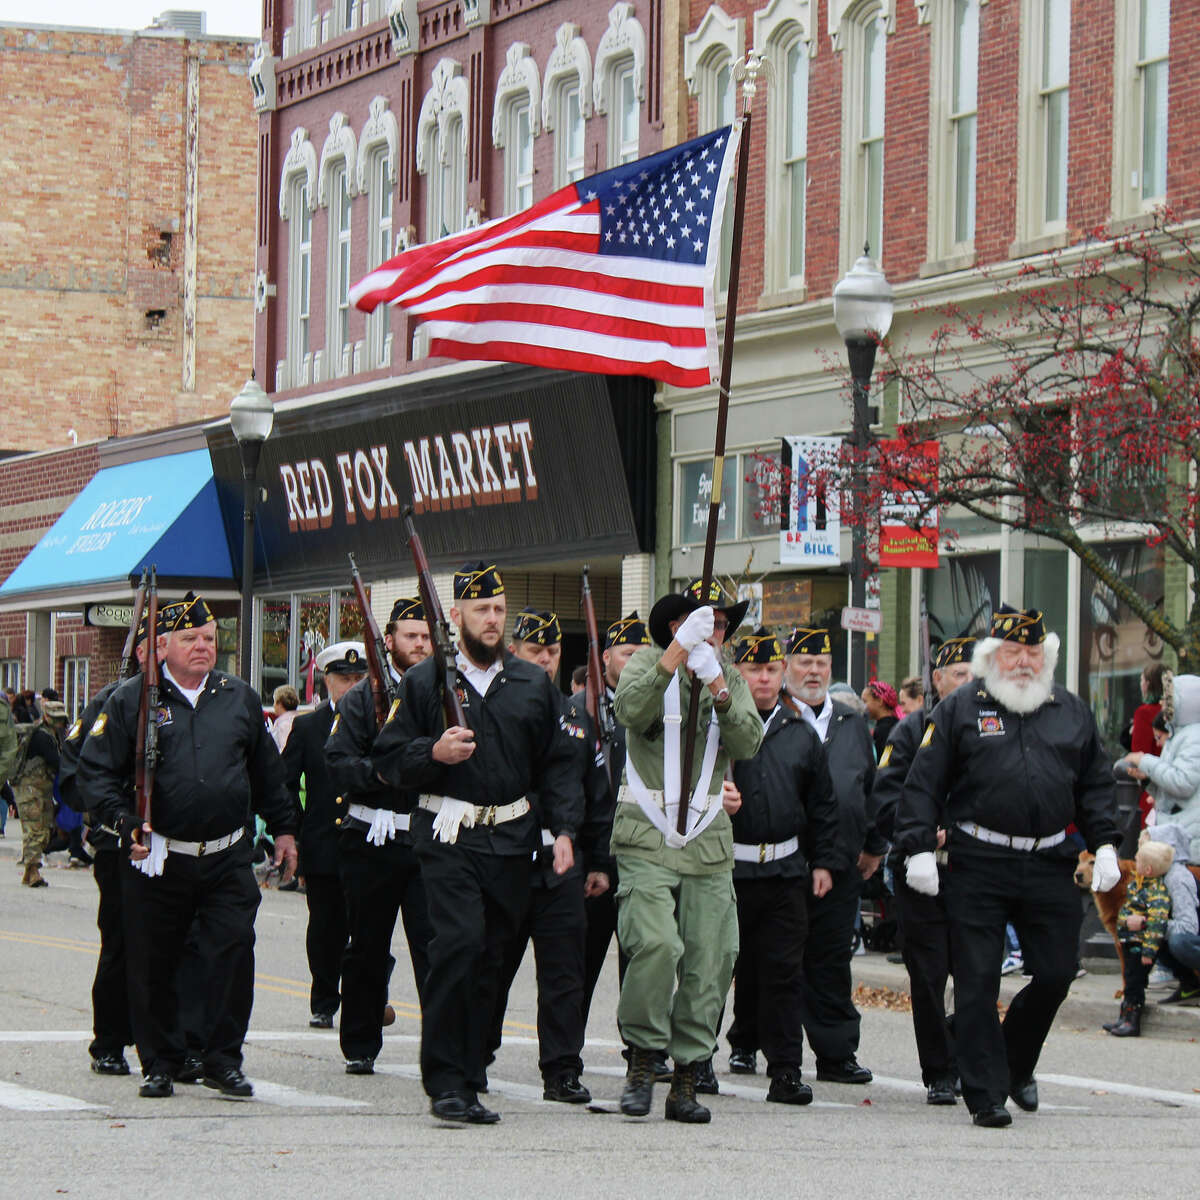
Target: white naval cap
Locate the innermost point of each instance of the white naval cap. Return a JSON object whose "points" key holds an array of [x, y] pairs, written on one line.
{"points": [[343, 658]]}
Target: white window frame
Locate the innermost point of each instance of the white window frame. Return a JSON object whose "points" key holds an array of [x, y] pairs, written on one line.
{"points": [[337, 271], [518, 93], [297, 203], [378, 148], [10, 673], [442, 149], [1036, 231], [856, 167], [75, 685], [1129, 93], [621, 147], [620, 61], [568, 71]]}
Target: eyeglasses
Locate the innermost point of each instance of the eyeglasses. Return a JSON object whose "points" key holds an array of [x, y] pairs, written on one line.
{"points": [[720, 623]]}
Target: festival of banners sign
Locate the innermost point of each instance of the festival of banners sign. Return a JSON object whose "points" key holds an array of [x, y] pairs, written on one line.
{"points": [[810, 521], [902, 543]]}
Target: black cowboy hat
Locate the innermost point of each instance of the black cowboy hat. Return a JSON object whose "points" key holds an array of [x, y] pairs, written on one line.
{"points": [[674, 605]]}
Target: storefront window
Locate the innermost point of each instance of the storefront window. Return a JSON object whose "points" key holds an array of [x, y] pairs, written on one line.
{"points": [[961, 595], [760, 493], [351, 627], [695, 497], [313, 634], [1115, 645], [1046, 588]]}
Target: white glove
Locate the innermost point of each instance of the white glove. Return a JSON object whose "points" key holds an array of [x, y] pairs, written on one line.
{"points": [[383, 828], [696, 628], [921, 873], [450, 816], [154, 862], [704, 661], [1106, 874]]}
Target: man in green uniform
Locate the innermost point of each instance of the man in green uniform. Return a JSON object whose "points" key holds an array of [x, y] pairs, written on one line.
{"points": [[34, 790], [676, 912]]}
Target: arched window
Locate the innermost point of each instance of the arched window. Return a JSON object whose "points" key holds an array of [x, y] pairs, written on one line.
{"points": [[442, 150], [336, 186], [516, 117], [567, 102], [297, 201], [377, 149], [619, 85]]}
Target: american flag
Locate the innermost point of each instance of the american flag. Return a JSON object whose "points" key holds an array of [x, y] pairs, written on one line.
{"points": [[613, 274]]}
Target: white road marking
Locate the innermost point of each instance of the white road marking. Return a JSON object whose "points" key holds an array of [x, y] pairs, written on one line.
{"points": [[24, 1099], [1122, 1089], [743, 1091], [289, 1097], [496, 1087], [44, 1035]]}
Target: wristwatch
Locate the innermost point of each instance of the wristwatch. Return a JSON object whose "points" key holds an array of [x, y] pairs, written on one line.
{"points": [[721, 696]]}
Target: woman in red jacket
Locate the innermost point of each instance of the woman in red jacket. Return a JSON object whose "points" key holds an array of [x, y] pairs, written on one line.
{"points": [[1142, 731]]}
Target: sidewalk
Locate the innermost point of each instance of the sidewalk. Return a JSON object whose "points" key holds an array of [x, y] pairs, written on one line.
{"points": [[1091, 1001]]}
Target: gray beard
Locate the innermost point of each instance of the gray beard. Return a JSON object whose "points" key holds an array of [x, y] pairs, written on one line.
{"points": [[1016, 698]]}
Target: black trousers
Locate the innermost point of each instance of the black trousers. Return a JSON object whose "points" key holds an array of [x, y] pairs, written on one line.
{"points": [[477, 905], [1136, 973], [325, 940], [926, 949], [1037, 893], [214, 899], [111, 1025], [379, 882], [767, 981], [826, 999], [556, 923]]}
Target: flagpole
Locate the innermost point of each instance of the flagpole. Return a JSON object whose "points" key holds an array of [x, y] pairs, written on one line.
{"points": [[749, 87]]}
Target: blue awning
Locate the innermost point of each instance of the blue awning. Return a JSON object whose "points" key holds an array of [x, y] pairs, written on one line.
{"points": [[160, 511]]}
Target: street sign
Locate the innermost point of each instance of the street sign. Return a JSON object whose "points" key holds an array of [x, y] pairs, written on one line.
{"points": [[862, 620]]}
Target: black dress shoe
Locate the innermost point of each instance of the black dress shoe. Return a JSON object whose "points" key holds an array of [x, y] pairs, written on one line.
{"points": [[229, 1081], [743, 1062], [706, 1079], [321, 1021], [941, 1091], [1025, 1095], [157, 1086], [849, 1070], [566, 1089], [450, 1106], [478, 1115], [360, 1066], [788, 1088], [192, 1070], [996, 1117], [110, 1064]]}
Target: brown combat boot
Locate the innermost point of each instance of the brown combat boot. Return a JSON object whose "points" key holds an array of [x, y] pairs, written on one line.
{"points": [[639, 1082], [682, 1104], [32, 876]]}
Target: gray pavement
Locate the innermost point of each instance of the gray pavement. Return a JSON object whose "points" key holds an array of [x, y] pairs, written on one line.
{"points": [[1110, 1107]]}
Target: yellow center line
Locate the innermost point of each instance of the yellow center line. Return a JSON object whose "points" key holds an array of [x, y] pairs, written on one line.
{"points": [[52, 943]]}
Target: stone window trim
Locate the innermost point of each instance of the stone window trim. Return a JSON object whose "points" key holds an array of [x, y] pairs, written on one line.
{"points": [[380, 133], [624, 38], [301, 159], [719, 38], [340, 146], [448, 97], [843, 13], [570, 61], [519, 82], [339, 245], [1127, 201], [943, 253]]}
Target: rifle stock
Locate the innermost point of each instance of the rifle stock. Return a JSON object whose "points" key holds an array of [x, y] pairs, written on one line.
{"points": [[127, 652], [383, 691], [439, 628], [599, 706], [146, 759]]}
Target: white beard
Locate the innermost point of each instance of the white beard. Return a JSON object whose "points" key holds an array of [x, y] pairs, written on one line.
{"points": [[1016, 697]]}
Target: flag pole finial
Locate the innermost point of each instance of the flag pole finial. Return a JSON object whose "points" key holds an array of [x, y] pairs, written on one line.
{"points": [[747, 72]]}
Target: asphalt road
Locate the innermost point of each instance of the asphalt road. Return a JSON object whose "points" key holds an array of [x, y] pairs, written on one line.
{"points": [[1118, 1117]]}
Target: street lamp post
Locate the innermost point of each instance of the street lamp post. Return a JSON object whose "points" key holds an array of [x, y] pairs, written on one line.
{"points": [[862, 310], [251, 415]]}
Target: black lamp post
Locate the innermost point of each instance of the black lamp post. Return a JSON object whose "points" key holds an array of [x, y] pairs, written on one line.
{"points": [[251, 414], [862, 311]]}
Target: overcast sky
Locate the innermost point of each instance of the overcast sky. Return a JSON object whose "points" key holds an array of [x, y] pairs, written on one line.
{"points": [[238, 17]]}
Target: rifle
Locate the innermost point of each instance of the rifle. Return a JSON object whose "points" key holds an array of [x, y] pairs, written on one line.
{"points": [[127, 653], [926, 657], [599, 706], [439, 629], [146, 758], [383, 687]]}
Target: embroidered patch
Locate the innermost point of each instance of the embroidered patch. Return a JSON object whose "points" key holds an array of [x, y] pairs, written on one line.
{"points": [[928, 735], [98, 726], [337, 720], [73, 732], [886, 756], [991, 727], [163, 716]]}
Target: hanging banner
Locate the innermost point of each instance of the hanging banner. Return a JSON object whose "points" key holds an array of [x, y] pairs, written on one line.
{"points": [[901, 542], [810, 520]]}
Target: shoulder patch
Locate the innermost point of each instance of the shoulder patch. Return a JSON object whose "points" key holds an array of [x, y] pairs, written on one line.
{"points": [[928, 735], [99, 726], [73, 732], [337, 720], [393, 710], [886, 756]]}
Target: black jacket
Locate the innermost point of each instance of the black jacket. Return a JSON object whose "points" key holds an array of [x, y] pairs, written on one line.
{"points": [[68, 765], [521, 746], [851, 756], [304, 757], [217, 762], [1027, 776], [786, 793], [892, 769]]}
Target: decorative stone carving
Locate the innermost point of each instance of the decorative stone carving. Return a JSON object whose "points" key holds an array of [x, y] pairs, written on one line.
{"points": [[380, 130], [569, 59], [624, 36], [301, 159], [262, 78], [717, 33], [263, 291], [402, 20], [840, 9], [447, 97], [774, 20], [476, 12], [340, 145], [518, 79]]}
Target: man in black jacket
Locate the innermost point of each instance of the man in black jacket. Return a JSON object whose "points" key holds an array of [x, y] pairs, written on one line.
{"points": [[343, 664], [830, 1018], [475, 829], [784, 821], [380, 875], [191, 861], [1005, 766], [924, 930]]}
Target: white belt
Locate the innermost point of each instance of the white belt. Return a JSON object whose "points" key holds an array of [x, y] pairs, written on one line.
{"points": [[201, 849], [1015, 843], [765, 852], [485, 814], [625, 796], [360, 812]]}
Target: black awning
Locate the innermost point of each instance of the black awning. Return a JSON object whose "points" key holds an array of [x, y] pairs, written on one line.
{"points": [[516, 464]]}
